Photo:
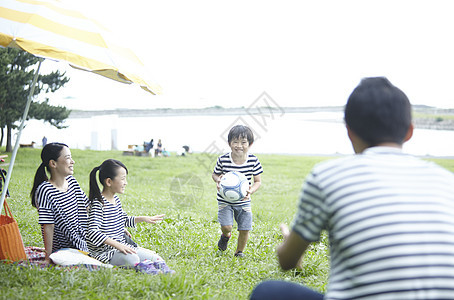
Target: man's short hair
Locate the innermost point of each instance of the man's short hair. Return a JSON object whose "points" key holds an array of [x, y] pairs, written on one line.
{"points": [[378, 112]]}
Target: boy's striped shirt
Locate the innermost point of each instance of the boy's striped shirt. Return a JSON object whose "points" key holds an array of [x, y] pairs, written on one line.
{"points": [[251, 167]]}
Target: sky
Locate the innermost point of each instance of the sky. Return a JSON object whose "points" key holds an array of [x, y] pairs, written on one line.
{"points": [[207, 53]]}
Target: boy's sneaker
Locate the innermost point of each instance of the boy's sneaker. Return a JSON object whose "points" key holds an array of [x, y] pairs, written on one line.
{"points": [[223, 241], [239, 254]]}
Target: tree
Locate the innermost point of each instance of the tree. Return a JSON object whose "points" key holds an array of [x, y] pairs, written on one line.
{"points": [[16, 75]]}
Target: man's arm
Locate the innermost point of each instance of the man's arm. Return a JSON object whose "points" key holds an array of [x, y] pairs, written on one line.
{"points": [[291, 250]]}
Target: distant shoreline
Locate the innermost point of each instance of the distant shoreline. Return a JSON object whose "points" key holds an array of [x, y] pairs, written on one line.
{"points": [[425, 117], [209, 111]]}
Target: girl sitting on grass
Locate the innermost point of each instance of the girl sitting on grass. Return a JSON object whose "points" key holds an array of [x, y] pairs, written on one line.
{"points": [[107, 220]]}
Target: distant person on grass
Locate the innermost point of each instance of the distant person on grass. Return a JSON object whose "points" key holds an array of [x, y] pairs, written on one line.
{"points": [[389, 216], [240, 138], [158, 150], [61, 203], [148, 145], [107, 220]]}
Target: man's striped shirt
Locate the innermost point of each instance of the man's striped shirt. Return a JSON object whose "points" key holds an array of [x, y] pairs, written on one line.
{"points": [[67, 211], [107, 220], [250, 168], [390, 220]]}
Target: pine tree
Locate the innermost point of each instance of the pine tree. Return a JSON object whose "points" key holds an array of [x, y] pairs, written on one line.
{"points": [[16, 75]]}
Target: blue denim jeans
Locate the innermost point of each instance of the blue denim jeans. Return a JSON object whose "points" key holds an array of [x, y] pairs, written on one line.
{"points": [[274, 289], [242, 215]]}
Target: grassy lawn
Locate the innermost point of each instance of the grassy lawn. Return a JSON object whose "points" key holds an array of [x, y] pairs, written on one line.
{"points": [[440, 116], [181, 188]]}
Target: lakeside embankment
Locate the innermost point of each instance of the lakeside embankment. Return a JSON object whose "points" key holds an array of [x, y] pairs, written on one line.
{"points": [[425, 117], [304, 131]]}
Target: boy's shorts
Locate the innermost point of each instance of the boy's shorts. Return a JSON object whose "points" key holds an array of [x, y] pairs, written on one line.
{"points": [[242, 215]]}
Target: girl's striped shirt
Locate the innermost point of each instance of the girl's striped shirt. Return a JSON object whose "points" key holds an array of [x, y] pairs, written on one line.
{"points": [[107, 220]]}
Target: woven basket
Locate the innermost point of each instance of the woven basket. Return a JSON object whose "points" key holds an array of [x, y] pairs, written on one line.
{"points": [[11, 245]]}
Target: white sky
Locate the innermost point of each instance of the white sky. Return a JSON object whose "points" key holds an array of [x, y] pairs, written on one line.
{"points": [[302, 53]]}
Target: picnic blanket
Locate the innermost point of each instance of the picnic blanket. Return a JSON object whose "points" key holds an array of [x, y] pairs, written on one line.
{"points": [[36, 255], [73, 259]]}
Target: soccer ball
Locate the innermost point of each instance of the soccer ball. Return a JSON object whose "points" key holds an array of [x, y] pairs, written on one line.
{"points": [[233, 186]]}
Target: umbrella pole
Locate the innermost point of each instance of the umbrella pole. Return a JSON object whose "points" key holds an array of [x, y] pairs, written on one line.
{"points": [[16, 146]]}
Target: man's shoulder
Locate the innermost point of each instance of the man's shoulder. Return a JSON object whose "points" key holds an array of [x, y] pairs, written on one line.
{"points": [[351, 161], [378, 162], [335, 162]]}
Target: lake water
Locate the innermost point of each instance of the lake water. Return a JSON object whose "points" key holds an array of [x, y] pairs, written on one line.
{"points": [[320, 133]]}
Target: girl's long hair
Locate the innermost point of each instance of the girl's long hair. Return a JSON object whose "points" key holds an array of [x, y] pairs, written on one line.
{"points": [[50, 152], [108, 169]]}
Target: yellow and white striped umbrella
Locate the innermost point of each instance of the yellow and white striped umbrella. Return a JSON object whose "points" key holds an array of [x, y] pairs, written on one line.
{"points": [[50, 29]]}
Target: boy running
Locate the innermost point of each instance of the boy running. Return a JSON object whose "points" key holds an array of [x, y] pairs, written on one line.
{"points": [[240, 139]]}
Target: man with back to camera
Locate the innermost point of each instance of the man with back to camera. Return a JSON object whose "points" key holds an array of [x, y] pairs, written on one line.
{"points": [[389, 215]]}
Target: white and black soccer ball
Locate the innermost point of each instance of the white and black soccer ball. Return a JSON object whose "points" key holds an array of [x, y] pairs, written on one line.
{"points": [[233, 186]]}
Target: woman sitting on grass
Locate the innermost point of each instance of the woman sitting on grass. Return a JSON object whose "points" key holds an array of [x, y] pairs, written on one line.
{"points": [[107, 220], [61, 203]]}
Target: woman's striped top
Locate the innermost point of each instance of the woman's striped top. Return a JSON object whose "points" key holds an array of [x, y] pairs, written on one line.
{"points": [[67, 211], [390, 220], [107, 220]]}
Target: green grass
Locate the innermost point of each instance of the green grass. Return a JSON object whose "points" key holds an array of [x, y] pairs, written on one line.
{"points": [[425, 115], [186, 239]]}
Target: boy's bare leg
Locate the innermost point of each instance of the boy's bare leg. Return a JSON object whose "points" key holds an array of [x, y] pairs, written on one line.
{"points": [[226, 230], [243, 237], [224, 239]]}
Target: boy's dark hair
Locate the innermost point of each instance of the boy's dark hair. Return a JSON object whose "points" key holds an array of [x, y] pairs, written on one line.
{"points": [[108, 169], [378, 112], [240, 131], [51, 151]]}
